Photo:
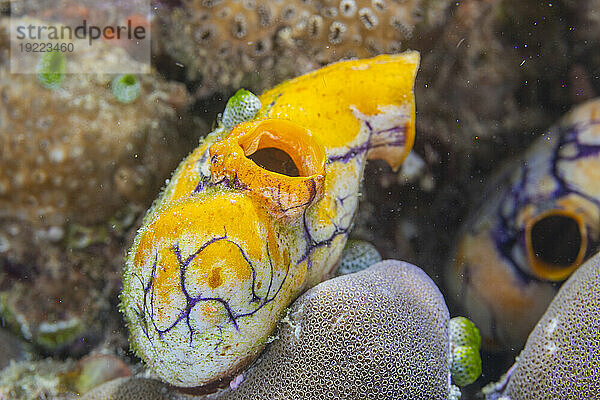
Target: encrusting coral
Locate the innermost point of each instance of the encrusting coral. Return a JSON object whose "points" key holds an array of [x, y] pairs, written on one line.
{"points": [[260, 43], [561, 359], [378, 333], [76, 168]]}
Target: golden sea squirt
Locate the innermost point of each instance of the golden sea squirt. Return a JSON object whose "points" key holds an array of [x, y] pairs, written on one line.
{"points": [[260, 212], [540, 220]]}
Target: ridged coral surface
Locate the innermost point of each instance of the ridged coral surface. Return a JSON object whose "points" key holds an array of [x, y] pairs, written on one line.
{"points": [[561, 359], [381, 333], [259, 43]]}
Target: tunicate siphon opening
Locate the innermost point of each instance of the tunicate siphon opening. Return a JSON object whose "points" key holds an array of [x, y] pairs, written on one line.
{"points": [[556, 240], [275, 160], [278, 161], [283, 147], [557, 245]]}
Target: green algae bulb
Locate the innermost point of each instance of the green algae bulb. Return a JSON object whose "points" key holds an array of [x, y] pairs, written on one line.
{"points": [[51, 69], [357, 255], [465, 342], [126, 88], [466, 365], [463, 332], [241, 107]]}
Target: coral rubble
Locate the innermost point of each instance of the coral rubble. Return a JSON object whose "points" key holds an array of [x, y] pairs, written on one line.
{"points": [[54, 379], [29, 380]]}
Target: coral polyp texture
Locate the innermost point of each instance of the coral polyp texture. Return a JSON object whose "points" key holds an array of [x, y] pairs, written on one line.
{"points": [[376, 334], [76, 168], [561, 359], [540, 220], [357, 255], [259, 43], [259, 213]]}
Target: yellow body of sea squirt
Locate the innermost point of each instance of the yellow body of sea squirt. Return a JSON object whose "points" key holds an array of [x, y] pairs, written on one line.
{"points": [[259, 212]]}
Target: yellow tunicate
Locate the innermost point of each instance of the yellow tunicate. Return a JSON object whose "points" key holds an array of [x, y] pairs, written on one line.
{"points": [[259, 212]]}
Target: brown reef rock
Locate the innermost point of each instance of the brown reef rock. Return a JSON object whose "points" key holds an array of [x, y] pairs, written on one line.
{"points": [[76, 169]]}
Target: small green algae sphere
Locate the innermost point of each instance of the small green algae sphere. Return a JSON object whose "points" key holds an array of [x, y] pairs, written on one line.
{"points": [[126, 88], [465, 341], [241, 107], [466, 365], [357, 255], [51, 69], [463, 332]]}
